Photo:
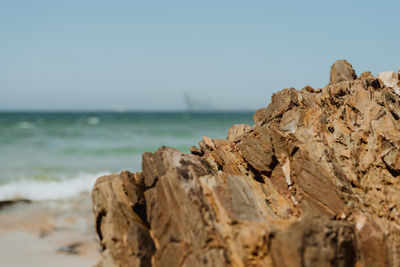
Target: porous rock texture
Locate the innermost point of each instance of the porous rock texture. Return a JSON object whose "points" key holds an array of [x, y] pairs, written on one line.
{"points": [[314, 182]]}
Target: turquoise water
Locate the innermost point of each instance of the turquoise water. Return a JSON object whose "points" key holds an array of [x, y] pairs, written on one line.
{"points": [[66, 152]]}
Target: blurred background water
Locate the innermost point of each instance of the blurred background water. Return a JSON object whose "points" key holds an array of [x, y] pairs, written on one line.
{"points": [[58, 155]]}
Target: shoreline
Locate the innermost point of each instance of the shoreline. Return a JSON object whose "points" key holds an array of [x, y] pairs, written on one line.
{"points": [[48, 233]]}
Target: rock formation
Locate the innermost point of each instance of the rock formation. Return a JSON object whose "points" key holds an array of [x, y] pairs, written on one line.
{"points": [[314, 182], [341, 71]]}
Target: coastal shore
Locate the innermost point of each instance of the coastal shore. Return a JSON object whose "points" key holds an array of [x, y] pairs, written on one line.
{"points": [[50, 233], [48, 158]]}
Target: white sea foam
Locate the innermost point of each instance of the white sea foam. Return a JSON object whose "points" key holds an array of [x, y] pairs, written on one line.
{"points": [[26, 125], [93, 120], [49, 190]]}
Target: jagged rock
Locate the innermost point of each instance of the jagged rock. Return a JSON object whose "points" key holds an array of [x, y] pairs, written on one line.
{"points": [[315, 242], [120, 220], [280, 103], [237, 130], [315, 182], [391, 79], [370, 79], [341, 71]]}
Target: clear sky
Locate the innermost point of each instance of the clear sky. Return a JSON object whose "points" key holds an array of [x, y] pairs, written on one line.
{"points": [[144, 55]]}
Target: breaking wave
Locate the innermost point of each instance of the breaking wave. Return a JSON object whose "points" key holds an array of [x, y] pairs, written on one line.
{"points": [[49, 190]]}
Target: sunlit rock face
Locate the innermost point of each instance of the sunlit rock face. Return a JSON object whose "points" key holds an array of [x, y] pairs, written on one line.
{"points": [[314, 182], [391, 79]]}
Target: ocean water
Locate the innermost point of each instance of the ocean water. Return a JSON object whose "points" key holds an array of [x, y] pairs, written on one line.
{"points": [[58, 155]]}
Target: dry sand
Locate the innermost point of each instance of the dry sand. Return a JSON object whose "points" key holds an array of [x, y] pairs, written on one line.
{"points": [[51, 233]]}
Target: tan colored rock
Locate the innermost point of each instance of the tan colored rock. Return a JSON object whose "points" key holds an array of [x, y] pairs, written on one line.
{"points": [[398, 74], [341, 71], [280, 103], [237, 130], [389, 78], [315, 182], [120, 220], [370, 79], [314, 241]]}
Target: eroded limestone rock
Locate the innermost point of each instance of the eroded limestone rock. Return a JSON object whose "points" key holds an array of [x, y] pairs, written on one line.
{"points": [[315, 182], [391, 79], [341, 71]]}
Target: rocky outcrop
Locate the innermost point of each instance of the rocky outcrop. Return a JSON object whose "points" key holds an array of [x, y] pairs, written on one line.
{"points": [[391, 79], [314, 182], [341, 71]]}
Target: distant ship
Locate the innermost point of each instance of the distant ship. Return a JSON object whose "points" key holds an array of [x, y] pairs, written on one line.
{"points": [[198, 104]]}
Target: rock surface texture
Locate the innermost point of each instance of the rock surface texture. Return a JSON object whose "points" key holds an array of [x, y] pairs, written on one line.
{"points": [[314, 182]]}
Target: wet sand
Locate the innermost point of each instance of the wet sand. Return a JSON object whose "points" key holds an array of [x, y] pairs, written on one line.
{"points": [[50, 233]]}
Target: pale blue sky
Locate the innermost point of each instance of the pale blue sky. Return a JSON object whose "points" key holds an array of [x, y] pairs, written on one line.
{"points": [[143, 55]]}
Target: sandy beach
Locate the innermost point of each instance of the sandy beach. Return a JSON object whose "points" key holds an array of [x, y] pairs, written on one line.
{"points": [[51, 233]]}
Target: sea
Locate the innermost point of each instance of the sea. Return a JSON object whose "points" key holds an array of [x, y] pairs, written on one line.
{"points": [[58, 155]]}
